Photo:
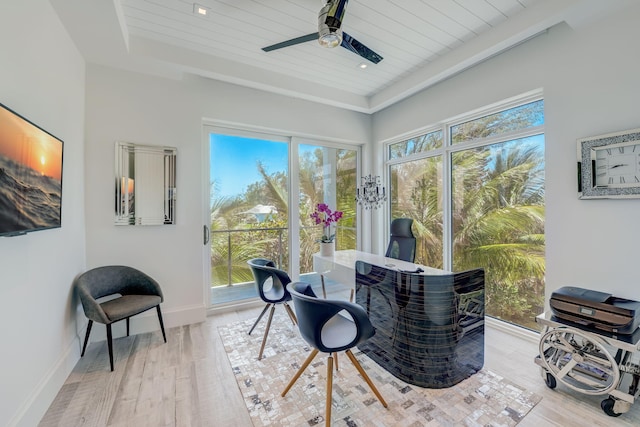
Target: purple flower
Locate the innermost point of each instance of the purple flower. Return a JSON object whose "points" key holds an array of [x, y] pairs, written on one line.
{"points": [[325, 216]]}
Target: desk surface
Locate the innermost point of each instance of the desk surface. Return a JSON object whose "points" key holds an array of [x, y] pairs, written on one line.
{"points": [[347, 260]]}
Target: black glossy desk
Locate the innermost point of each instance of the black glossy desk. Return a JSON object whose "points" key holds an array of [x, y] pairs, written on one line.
{"points": [[429, 328]]}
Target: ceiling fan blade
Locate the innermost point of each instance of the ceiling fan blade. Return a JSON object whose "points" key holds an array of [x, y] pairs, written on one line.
{"points": [[356, 47], [297, 40]]}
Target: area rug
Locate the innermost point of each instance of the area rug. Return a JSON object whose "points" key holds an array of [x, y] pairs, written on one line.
{"points": [[484, 399]]}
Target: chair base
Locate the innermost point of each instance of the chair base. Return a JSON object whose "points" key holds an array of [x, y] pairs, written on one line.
{"points": [[292, 316], [355, 363], [110, 336]]}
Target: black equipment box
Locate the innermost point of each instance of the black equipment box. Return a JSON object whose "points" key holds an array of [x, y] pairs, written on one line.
{"points": [[595, 309]]}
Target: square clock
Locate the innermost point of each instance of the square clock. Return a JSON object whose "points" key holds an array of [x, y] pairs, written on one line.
{"points": [[609, 166]]}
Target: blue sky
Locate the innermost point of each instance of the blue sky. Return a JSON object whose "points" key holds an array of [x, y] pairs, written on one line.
{"points": [[233, 161]]}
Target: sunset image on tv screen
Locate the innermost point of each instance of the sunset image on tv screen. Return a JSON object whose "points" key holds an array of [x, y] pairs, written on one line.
{"points": [[30, 176]]}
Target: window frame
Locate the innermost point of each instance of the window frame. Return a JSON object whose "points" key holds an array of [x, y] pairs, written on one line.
{"points": [[447, 150], [293, 141], [446, 153]]}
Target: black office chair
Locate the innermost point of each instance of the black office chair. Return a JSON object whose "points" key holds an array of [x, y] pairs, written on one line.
{"points": [[138, 292], [271, 284], [327, 330], [402, 244]]}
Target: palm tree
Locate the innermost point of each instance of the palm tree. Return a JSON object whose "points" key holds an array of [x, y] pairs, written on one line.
{"points": [[498, 220], [418, 195], [498, 224]]}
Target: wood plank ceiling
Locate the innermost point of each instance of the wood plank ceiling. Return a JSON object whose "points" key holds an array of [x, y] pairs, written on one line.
{"points": [[409, 34], [422, 41]]}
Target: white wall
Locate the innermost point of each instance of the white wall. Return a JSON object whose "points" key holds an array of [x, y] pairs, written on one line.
{"points": [[590, 80], [42, 78], [138, 108]]}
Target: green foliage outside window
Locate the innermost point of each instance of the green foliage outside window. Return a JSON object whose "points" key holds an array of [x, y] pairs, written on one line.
{"points": [[497, 206]]}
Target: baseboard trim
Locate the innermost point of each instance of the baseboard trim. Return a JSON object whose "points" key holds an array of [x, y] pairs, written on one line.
{"points": [[234, 305], [511, 329], [36, 405], [148, 322]]}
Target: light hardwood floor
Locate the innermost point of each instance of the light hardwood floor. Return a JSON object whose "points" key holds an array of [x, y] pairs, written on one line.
{"points": [[188, 382]]}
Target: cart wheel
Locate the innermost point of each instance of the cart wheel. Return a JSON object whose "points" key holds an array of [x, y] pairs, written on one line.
{"points": [[578, 360], [550, 381], [607, 407]]}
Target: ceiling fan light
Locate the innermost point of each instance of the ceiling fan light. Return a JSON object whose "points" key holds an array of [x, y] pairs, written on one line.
{"points": [[329, 23], [329, 38]]}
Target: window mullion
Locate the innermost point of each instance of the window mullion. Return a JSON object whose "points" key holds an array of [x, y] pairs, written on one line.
{"points": [[294, 207], [447, 218], [504, 137]]}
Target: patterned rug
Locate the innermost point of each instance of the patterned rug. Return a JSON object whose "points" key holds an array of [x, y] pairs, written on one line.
{"points": [[484, 399]]}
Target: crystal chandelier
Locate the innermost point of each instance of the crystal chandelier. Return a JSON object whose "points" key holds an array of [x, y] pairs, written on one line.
{"points": [[371, 194]]}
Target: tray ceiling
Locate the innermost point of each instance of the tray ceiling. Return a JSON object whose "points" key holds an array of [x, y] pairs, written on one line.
{"points": [[422, 41]]}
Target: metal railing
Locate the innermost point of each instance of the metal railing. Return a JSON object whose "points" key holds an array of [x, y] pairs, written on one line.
{"points": [[276, 246], [279, 240]]}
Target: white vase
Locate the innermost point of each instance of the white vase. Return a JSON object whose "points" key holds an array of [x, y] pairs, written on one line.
{"points": [[327, 249]]}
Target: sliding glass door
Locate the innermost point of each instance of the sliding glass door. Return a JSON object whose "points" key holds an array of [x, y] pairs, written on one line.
{"points": [[260, 203], [249, 210]]}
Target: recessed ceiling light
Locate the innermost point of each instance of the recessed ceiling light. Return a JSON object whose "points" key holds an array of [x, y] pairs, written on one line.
{"points": [[362, 65], [199, 9]]}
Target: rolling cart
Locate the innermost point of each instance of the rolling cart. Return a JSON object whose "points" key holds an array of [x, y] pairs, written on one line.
{"points": [[590, 361]]}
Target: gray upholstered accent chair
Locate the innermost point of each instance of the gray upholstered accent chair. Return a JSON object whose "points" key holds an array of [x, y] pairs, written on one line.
{"points": [[137, 293]]}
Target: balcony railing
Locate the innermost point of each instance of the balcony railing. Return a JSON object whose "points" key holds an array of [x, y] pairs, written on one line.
{"points": [[230, 250]]}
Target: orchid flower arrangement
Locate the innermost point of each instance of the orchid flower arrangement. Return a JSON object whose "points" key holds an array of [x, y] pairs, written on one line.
{"points": [[323, 215]]}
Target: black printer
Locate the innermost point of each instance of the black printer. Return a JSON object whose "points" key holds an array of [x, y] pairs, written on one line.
{"points": [[595, 309]]}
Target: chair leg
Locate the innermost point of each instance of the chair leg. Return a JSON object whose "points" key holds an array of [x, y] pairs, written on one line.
{"points": [[161, 323], [291, 314], [366, 377], [110, 345], [127, 320], [335, 357], [266, 331], [266, 307], [306, 363], [86, 337], [327, 409], [324, 290]]}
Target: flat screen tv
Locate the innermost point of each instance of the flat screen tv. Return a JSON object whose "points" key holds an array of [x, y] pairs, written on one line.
{"points": [[30, 176]]}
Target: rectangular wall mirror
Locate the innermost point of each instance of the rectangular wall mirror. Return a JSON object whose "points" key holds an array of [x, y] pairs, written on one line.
{"points": [[145, 184]]}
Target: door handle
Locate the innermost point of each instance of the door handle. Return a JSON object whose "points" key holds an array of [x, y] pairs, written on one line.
{"points": [[206, 235]]}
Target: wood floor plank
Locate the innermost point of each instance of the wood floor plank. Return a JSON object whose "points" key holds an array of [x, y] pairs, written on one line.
{"points": [[188, 382], [186, 396], [127, 396]]}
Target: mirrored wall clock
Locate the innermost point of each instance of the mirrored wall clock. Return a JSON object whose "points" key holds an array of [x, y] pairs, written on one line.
{"points": [[609, 166]]}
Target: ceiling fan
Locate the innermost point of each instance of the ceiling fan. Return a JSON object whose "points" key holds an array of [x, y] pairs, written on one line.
{"points": [[330, 34]]}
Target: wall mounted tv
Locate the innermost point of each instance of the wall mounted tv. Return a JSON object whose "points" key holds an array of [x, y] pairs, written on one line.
{"points": [[30, 176]]}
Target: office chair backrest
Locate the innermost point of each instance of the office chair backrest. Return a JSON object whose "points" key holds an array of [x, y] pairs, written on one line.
{"points": [[272, 291], [320, 324], [402, 244]]}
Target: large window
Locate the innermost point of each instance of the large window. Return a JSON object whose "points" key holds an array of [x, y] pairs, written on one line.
{"points": [[416, 184], [477, 200]]}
